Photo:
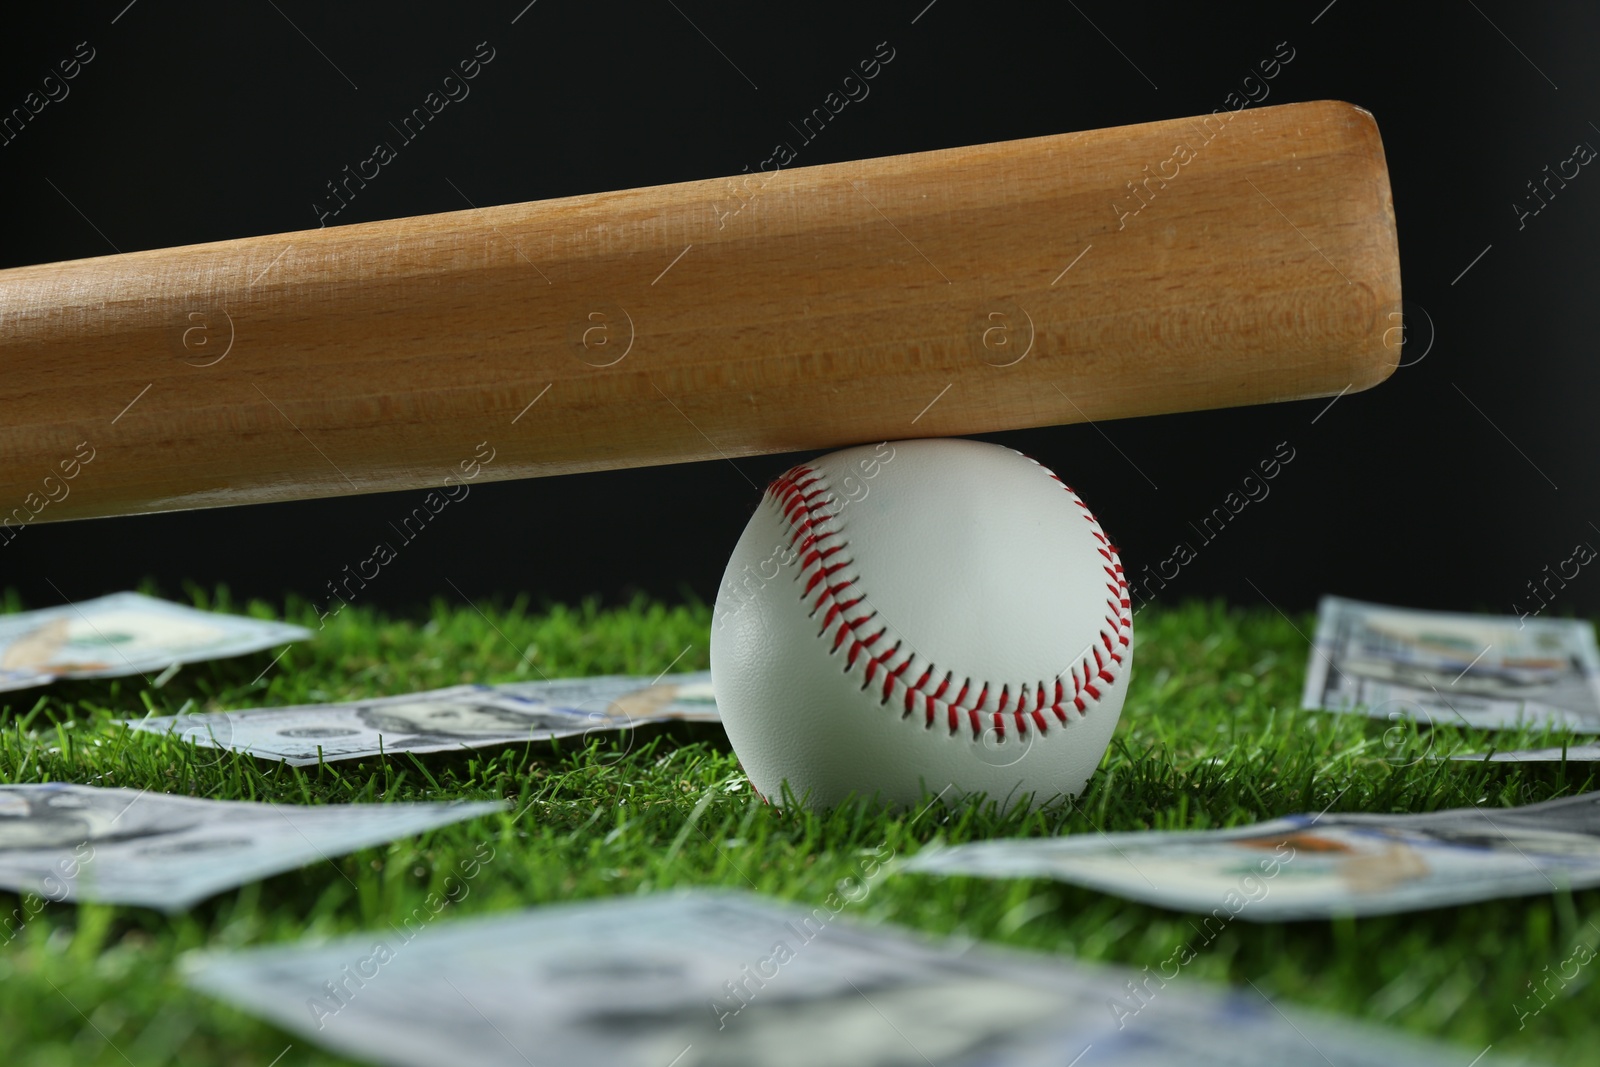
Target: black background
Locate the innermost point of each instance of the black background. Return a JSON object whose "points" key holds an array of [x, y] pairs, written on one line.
{"points": [[1452, 485]]}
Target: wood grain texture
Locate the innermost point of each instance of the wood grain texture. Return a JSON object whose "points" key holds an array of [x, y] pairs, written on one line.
{"points": [[814, 307]]}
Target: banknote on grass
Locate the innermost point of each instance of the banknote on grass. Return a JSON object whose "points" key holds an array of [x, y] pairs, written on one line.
{"points": [[125, 634], [1486, 671], [627, 698], [714, 979], [66, 842], [459, 717], [1312, 866]]}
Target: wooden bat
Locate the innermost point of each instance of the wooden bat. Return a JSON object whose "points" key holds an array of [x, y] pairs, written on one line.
{"points": [[1232, 258]]}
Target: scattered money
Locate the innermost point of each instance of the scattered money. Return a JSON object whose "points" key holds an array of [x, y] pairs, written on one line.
{"points": [[718, 979], [463, 716], [126, 846], [627, 699], [124, 634], [1484, 671], [1313, 866]]}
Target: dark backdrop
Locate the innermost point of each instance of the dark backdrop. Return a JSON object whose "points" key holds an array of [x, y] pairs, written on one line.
{"points": [[1453, 485]]}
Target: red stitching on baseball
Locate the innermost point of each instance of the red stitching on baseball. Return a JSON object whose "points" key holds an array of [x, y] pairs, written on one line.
{"points": [[790, 492]]}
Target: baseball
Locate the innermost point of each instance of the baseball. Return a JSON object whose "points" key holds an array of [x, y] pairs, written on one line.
{"points": [[936, 615]]}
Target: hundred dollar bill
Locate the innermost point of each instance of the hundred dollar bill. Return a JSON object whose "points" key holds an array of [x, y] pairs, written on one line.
{"points": [[127, 846], [627, 698], [713, 979], [462, 716], [1312, 866], [124, 634], [1468, 670]]}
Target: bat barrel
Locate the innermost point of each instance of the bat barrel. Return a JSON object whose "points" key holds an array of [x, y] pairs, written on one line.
{"points": [[1236, 258]]}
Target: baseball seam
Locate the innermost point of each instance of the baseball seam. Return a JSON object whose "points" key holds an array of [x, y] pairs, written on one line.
{"points": [[802, 494]]}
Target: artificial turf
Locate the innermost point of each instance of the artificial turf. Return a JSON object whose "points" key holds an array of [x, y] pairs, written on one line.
{"points": [[1211, 736]]}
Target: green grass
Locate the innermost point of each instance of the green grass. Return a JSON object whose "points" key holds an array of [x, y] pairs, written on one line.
{"points": [[1211, 736]]}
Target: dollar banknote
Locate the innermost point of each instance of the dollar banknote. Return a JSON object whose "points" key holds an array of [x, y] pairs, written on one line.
{"points": [[1483, 671], [464, 716], [627, 698], [66, 842], [125, 634], [460, 717], [1312, 866], [715, 979]]}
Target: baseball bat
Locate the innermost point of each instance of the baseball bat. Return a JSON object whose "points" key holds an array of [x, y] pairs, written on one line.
{"points": [[1232, 258]]}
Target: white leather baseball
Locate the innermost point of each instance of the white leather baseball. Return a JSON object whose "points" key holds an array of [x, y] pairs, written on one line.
{"points": [[939, 615]]}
